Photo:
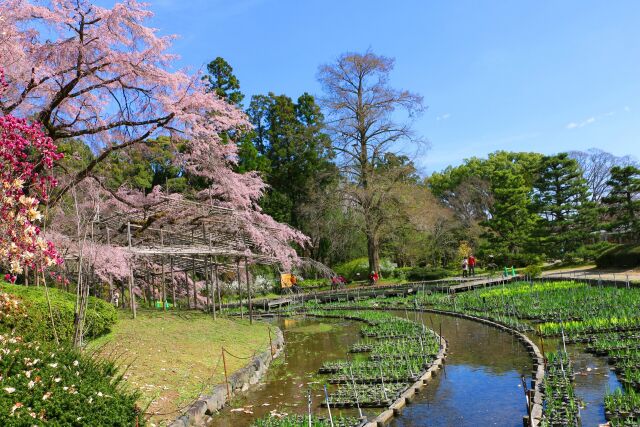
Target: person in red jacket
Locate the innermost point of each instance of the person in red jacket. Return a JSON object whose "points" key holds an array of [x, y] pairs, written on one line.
{"points": [[472, 265], [373, 277]]}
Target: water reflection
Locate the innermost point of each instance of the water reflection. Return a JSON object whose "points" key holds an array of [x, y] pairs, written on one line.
{"points": [[309, 342], [480, 385], [593, 379]]}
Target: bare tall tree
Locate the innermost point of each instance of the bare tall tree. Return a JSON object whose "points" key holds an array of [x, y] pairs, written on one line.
{"points": [[362, 109], [596, 165]]}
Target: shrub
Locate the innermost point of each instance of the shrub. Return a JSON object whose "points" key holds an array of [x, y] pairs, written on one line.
{"points": [[35, 324], [358, 269], [620, 256], [592, 252], [401, 272], [425, 273], [43, 385], [314, 282], [533, 270], [516, 259]]}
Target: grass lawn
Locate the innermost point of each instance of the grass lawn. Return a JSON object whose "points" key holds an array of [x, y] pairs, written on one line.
{"points": [[175, 356]]}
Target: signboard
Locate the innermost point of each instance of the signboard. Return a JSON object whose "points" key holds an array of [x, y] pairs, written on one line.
{"points": [[285, 280]]}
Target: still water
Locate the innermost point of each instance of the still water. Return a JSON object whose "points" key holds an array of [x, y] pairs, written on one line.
{"points": [[479, 386]]}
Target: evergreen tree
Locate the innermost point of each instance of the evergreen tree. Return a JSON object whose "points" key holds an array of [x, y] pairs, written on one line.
{"points": [[561, 200], [221, 80], [511, 220], [623, 201], [289, 135]]}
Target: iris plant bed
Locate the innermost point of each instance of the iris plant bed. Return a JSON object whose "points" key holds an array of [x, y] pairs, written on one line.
{"points": [[623, 406], [366, 395], [282, 420], [398, 352], [560, 407]]}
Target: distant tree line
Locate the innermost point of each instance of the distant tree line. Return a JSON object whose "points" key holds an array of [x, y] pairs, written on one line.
{"points": [[335, 171], [523, 207]]}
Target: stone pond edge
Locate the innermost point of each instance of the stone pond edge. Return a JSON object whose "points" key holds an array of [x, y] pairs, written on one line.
{"points": [[241, 380]]}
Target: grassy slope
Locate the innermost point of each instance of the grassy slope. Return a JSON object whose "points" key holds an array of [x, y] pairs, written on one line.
{"points": [[174, 356]]}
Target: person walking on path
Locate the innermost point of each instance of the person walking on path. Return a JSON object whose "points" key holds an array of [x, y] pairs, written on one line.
{"points": [[465, 267], [472, 265]]}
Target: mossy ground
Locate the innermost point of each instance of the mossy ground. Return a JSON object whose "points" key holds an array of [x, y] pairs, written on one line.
{"points": [[172, 357]]}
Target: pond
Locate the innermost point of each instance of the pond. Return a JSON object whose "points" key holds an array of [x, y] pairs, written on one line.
{"points": [[309, 342], [480, 384], [481, 381]]}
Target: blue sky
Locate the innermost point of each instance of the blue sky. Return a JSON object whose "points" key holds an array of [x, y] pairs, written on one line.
{"points": [[539, 75]]}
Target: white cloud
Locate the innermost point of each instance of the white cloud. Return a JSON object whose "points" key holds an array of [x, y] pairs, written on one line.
{"points": [[593, 119], [444, 116], [574, 125]]}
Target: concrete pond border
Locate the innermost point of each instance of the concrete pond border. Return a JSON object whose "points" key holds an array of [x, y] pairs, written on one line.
{"points": [[207, 405], [409, 394]]}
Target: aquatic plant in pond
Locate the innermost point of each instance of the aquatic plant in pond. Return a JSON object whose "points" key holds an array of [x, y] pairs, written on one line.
{"points": [[399, 353], [560, 406], [623, 408], [282, 420], [606, 318], [366, 395]]}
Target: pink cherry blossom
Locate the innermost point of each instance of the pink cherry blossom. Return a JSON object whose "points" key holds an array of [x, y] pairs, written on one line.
{"points": [[101, 75], [26, 155]]}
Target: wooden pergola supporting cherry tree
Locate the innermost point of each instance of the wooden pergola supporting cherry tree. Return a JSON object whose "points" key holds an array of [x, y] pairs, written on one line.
{"points": [[204, 242]]}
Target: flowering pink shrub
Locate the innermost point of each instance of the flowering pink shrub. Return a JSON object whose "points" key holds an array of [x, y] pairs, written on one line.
{"points": [[26, 155]]}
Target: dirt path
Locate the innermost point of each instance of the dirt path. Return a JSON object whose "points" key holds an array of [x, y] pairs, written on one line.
{"points": [[592, 272]]}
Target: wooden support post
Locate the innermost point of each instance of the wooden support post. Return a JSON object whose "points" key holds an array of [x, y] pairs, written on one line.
{"points": [[111, 288], [164, 289], [195, 286], [206, 280], [270, 344], [239, 287], [226, 376], [149, 292], [186, 285], [173, 283], [214, 274], [132, 298], [218, 287], [246, 271]]}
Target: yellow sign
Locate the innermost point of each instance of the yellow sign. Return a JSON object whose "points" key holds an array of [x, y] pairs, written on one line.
{"points": [[286, 280]]}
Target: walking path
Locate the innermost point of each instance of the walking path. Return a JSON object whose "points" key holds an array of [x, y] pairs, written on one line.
{"points": [[592, 272]]}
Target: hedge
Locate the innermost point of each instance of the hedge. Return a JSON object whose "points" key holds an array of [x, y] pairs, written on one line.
{"points": [[42, 383], [35, 323], [626, 256], [425, 273], [358, 269]]}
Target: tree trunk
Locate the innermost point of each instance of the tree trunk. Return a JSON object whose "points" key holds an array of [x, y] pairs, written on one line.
{"points": [[373, 253]]}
